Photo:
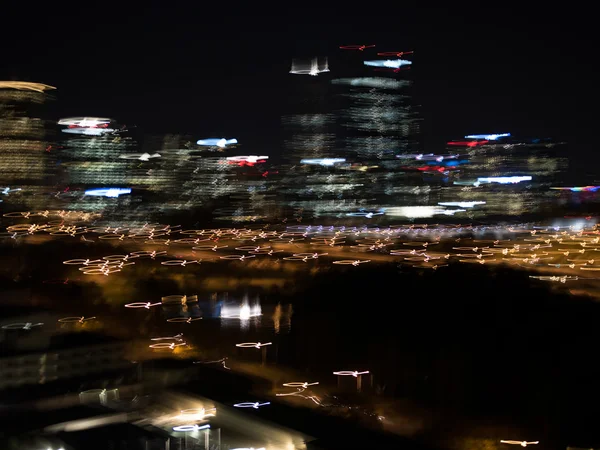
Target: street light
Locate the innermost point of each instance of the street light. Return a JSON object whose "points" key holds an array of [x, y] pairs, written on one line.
{"points": [[258, 345], [521, 443], [352, 373], [254, 405], [300, 384]]}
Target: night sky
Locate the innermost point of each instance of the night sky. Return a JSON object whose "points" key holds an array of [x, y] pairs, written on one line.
{"points": [[220, 70]]}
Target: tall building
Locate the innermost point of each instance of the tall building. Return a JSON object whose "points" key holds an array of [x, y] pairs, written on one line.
{"points": [[343, 132], [95, 160], [93, 155], [27, 164]]}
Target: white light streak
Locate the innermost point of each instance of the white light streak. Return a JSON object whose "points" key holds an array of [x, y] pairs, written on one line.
{"points": [[21, 326], [187, 428], [214, 142], [504, 180], [146, 305], [252, 344], [167, 345], [254, 405], [108, 192], [352, 262], [300, 384], [390, 63], [177, 337], [354, 373], [141, 157], [521, 443], [323, 161], [462, 204], [85, 121]]}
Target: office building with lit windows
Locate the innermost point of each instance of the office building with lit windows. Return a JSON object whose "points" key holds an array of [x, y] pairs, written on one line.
{"points": [[342, 135], [26, 138]]}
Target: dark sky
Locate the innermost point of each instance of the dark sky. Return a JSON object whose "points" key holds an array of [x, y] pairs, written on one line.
{"points": [[220, 70]]}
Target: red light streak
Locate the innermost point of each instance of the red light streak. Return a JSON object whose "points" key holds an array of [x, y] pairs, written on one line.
{"points": [[356, 47], [398, 54], [393, 70], [467, 143], [440, 169]]}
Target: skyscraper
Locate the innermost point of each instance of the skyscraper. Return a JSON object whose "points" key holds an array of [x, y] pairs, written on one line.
{"points": [[25, 139], [342, 137]]}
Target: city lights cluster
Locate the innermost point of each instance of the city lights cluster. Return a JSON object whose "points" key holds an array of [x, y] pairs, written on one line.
{"points": [[560, 253]]}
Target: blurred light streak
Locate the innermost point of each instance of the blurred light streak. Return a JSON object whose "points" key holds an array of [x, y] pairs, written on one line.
{"points": [[521, 443], [187, 428], [108, 192], [388, 63], [25, 86], [322, 161], [504, 180], [215, 142], [488, 137], [356, 47]]}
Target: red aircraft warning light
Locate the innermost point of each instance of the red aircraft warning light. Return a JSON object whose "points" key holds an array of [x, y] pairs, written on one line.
{"points": [[356, 47]]}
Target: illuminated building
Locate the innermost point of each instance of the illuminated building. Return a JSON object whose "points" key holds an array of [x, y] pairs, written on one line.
{"points": [[90, 161], [25, 140], [94, 160], [342, 136], [181, 173], [511, 175]]}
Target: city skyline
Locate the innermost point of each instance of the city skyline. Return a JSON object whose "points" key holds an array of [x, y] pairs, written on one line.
{"points": [[473, 73], [353, 226]]}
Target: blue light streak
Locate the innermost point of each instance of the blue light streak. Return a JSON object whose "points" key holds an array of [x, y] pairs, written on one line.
{"points": [[487, 137]]}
